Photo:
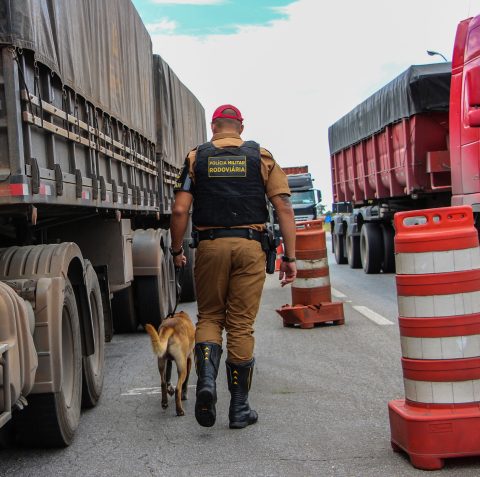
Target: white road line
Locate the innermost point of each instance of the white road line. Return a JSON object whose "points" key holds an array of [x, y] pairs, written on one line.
{"points": [[154, 390], [337, 293], [371, 315]]}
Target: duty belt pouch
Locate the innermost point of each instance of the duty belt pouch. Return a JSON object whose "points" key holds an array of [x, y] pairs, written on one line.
{"points": [[195, 240]]}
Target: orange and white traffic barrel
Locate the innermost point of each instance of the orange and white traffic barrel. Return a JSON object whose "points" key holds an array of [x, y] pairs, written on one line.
{"points": [[438, 288], [312, 285], [311, 290]]}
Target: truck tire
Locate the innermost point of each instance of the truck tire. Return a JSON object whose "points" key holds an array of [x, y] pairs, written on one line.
{"points": [[371, 248], [123, 310], [353, 252], [50, 419], [93, 365], [107, 318], [339, 249], [102, 275], [152, 296], [388, 262], [187, 276]]}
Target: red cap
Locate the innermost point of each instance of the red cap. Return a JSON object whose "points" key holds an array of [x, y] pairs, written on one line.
{"points": [[219, 113]]}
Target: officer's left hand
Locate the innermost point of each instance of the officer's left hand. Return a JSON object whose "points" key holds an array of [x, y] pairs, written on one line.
{"points": [[179, 261], [288, 273]]}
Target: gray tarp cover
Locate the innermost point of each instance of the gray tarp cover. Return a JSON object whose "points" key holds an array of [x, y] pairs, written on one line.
{"points": [[180, 117], [419, 89], [100, 48]]}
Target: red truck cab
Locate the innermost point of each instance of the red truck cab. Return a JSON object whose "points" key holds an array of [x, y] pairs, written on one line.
{"points": [[465, 115]]}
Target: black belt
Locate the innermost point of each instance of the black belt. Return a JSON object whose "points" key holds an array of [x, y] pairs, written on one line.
{"points": [[213, 234]]}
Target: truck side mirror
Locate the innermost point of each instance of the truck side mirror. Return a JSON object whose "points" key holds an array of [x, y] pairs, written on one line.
{"points": [[318, 195]]}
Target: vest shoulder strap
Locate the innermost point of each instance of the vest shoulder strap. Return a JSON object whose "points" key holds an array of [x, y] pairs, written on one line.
{"points": [[251, 145], [209, 147], [203, 147]]}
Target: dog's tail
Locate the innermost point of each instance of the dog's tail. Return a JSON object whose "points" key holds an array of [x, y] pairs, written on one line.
{"points": [[159, 340]]}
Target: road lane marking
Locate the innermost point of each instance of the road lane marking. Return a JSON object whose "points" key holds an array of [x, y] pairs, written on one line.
{"points": [[337, 293], [154, 390], [371, 315]]}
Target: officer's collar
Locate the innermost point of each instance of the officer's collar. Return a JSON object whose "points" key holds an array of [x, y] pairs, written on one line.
{"points": [[224, 135]]}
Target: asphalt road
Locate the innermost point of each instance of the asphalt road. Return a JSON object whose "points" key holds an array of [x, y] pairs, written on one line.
{"points": [[321, 395]]}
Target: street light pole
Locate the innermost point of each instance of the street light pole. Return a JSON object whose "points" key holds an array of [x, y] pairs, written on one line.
{"points": [[433, 53]]}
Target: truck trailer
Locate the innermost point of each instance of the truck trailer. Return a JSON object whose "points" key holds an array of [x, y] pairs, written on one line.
{"points": [[94, 129], [414, 144]]}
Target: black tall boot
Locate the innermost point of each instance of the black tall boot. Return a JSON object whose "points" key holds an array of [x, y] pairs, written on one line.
{"points": [[207, 361], [239, 378]]}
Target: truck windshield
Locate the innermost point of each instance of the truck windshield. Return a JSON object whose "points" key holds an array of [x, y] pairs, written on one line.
{"points": [[303, 198]]}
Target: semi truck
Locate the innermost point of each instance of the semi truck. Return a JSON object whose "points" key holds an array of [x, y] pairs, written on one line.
{"points": [[305, 198], [94, 129], [414, 144]]}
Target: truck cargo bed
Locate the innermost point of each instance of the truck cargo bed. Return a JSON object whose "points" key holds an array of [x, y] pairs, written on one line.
{"points": [[78, 123], [108, 131], [396, 142], [60, 149]]}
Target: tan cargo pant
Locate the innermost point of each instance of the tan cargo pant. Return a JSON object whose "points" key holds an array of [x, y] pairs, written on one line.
{"points": [[229, 278]]}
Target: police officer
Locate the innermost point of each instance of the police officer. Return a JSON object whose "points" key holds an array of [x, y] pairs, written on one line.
{"points": [[227, 179]]}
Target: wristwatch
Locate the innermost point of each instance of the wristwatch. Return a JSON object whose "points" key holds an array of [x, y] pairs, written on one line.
{"points": [[288, 259], [176, 253]]}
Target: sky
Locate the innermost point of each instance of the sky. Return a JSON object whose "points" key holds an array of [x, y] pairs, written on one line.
{"points": [[293, 68]]}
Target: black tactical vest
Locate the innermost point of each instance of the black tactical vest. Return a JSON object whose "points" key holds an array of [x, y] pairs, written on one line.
{"points": [[229, 188]]}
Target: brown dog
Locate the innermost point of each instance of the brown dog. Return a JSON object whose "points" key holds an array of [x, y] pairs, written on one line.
{"points": [[174, 342]]}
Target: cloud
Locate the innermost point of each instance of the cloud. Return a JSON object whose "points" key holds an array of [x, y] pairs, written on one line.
{"points": [[281, 10], [164, 25], [188, 2], [295, 77], [212, 17]]}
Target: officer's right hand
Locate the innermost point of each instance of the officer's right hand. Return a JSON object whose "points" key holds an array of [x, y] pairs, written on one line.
{"points": [[180, 261], [288, 272]]}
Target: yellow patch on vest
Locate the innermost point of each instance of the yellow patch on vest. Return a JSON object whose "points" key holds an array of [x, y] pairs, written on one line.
{"points": [[227, 166]]}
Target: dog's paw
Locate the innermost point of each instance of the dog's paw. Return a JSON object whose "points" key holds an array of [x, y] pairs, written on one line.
{"points": [[171, 390], [164, 404], [184, 396], [180, 412]]}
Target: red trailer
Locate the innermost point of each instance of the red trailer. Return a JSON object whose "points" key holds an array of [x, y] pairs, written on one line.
{"points": [[407, 157], [393, 152], [414, 144], [390, 153]]}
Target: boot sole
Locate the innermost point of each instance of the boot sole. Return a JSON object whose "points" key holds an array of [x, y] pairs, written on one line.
{"points": [[240, 425], [243, 424], [205, 412]]}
